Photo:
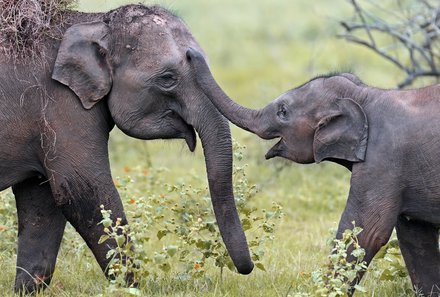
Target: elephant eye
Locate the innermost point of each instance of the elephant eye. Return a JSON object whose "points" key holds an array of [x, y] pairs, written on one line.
{"points": [[282, 112], [167, 81]]}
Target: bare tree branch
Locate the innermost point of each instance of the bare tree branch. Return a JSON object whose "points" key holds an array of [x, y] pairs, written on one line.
{"points": [[364, 23], [382, 53], [413, 27]]}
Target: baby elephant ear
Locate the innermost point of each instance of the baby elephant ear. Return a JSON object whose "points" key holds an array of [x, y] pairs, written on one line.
{"points": [[342, 133], [82, 63]]}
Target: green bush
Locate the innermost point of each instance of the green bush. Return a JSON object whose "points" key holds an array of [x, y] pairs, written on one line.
{"points": [[333, 278], [180, 216]]}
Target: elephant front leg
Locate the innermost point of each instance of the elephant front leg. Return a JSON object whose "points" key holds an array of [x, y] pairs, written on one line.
{"points": [[376, 215], [80, 199], [419, 245], [40, 230]]}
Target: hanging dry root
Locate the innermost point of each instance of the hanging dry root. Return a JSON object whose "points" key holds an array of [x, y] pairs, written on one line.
{"points": [[24, 24]]}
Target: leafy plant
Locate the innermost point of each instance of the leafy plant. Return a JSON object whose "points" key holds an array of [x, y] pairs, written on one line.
{"points": [[122, 257], [180, 216], [334, 278], [388, 262]]}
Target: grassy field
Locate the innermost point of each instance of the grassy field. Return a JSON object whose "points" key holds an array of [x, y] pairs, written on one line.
{"points": [[257, 50]]}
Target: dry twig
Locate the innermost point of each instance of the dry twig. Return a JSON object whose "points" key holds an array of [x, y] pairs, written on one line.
{"points": [[25, 23], [413, 27]]}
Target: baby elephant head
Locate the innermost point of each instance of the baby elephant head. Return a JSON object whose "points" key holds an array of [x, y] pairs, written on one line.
{"points": [[314, 122]]}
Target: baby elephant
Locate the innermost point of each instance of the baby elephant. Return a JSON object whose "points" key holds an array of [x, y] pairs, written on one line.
{"points": [[389, 139]]}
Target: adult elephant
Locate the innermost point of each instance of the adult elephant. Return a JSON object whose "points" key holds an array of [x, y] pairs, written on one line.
{"points": [[389, 139], [125, 67]]}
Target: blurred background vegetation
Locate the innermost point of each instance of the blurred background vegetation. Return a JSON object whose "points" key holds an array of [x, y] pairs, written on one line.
{"points": [[258, 50]]}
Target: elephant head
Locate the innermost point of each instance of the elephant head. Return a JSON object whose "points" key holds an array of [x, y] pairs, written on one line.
{"points": [[315, 121], [134, 61]]}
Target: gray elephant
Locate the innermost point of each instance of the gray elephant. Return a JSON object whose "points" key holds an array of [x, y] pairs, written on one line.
{"points": [[388, 139], [125, 67]]}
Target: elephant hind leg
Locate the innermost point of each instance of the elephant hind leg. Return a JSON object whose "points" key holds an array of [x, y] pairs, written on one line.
{"points": [[40, 230], [420, 249]]}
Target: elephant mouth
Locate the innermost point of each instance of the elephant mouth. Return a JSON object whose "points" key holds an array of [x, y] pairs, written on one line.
{"points": [[276, 150], [185, 130], [190, 138], [188, 133]]}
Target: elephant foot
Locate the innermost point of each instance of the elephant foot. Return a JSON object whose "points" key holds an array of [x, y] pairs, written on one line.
{"points": [[29, 283]]}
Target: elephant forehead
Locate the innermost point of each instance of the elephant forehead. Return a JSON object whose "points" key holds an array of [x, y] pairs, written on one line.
{"points": [[158, 53], [149, 36], [158, 20], [164, 46], [158, 29], [134, 13]]}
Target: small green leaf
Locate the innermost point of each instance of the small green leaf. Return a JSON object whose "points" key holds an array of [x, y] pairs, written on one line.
{"points": [[211, 226], [120, 239], [260, 266], [172, 250], [268, 228], [360, 288], [166, 267], [109, 254], [107, 222], [134, 292], [230, 264], [159, 258], [246, 223], [162, 233], [103, 238], [183, 254]]}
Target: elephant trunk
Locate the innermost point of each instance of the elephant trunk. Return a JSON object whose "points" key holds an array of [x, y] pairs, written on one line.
{"points": [[245, 118], [215, 136]]}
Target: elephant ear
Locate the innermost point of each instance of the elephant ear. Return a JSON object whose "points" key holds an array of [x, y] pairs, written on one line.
{"points": [[342, 133], [82, 62]]}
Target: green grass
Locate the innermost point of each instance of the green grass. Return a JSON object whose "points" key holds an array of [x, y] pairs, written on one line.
{"points": [[257, 50]]}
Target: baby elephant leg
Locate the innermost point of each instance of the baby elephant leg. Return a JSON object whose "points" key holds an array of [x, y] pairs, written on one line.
{"points": [[420, 249], [40, 230]]}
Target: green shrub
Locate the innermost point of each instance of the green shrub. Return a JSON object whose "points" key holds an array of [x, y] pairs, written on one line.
{"points": [[388, 263], [333, 278], [180, 216]]}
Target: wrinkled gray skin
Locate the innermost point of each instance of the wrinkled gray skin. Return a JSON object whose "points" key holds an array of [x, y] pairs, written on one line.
{"points": [[126, 67], [389, 139]]}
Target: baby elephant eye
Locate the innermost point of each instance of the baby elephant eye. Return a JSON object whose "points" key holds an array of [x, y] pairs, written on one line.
{"points": [[282, 112]]}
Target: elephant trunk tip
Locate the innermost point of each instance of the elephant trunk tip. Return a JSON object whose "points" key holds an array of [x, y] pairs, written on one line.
{"points": [[196, 59], [245, 268], [192, 53], [189, 53], [269, 156]]}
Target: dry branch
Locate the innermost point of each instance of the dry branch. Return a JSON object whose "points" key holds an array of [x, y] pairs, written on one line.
{"points": [[25, 23], [411, 29]]}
